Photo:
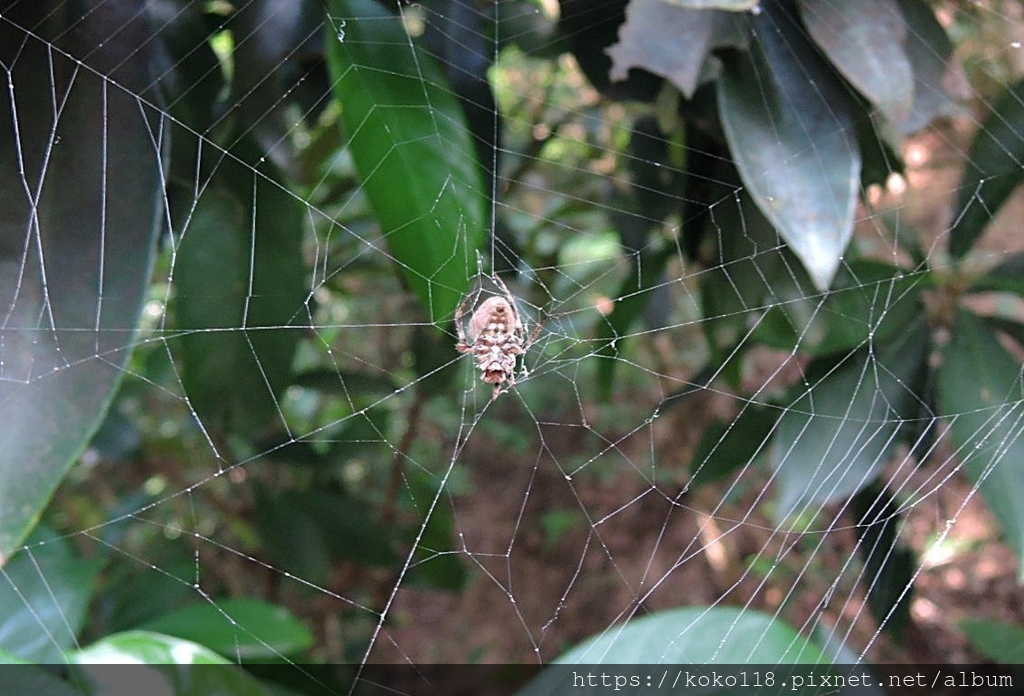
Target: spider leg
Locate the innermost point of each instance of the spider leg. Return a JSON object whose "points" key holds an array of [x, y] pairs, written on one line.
{"points": [[460, 329]]}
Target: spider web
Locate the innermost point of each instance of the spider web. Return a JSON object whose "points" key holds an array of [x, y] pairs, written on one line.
{"points": [[599, 488]]}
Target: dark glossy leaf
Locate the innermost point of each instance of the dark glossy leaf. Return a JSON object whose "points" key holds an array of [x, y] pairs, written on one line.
{"points": [[889, 566], [190, 79], [841, 428], [870, 301], [363, 432], [304, 532], [933, 63], [238, 629], [1013, 329], [1008, 276], [789, 129], [655, 183], [34, 680], [434, 564], [44, 593], [240, 300], [727, 447], [131, 595], [271, 40], [348, 383], [292, 539], [431, 355], [82, 202], [980, 394], [733, 291], [460, 37], [634, 294], [993, 170], [412, 149], [865, 41], [532, 32], [351, 529], [999, 641], [189, 74]]}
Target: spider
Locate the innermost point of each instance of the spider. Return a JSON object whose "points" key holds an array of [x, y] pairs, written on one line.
{"points": [[495, 336]]}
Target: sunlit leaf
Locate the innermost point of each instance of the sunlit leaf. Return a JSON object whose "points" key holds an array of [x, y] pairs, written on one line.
{"points": [[157, 664], [413, 151]]}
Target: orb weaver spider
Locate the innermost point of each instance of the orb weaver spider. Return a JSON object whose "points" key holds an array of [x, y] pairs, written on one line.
{"points": [[495, 335]]}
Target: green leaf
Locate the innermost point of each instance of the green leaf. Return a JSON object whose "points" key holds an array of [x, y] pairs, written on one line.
{"points": [[303, 532], [1013, 329], [889, 566], [189, 74], [82, 202], [993, 170], [933, 63], [750, 264], [238, 629], [728, 446], [34, 680], [870, 301], [44, 594], [1008, 276], [633, 299], [143, 647], [722, 635], [789, 129], [414, 154], [840, 428], [434, 563], [236, 277], [864, 41], [981, 395], [348, 383], [999, 641], [160, 665]]}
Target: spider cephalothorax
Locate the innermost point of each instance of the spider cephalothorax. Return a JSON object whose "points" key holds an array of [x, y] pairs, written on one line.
{"points": [[495, 335]]}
